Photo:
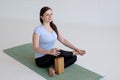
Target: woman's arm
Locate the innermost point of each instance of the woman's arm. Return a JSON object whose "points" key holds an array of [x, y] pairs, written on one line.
{"points": [[68, 44], [35, 41], [65, 41]]}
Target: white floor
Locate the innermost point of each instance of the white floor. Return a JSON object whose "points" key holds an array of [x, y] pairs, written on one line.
{"points": [[102, 45]]}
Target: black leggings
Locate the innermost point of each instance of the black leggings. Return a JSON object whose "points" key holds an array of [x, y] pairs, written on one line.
{"points": [[48, 60]]}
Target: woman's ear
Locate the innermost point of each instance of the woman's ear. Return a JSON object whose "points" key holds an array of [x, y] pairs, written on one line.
{"points": [[41, 17]]}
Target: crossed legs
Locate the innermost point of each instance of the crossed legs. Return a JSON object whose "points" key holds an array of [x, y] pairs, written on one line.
{"points": [[48, 60]]}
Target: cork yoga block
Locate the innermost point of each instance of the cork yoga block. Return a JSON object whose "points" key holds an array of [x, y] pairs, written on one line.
{"points": [[59, 65]]}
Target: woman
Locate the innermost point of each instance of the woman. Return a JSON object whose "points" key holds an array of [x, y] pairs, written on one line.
{"points": [[44, 37]]}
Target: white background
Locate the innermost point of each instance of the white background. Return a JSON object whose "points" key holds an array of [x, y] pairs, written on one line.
{"points": [[93, 25], [85, 12]]}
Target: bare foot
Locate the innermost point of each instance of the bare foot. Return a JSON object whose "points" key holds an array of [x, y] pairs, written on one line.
{"points": [[51, 71]]}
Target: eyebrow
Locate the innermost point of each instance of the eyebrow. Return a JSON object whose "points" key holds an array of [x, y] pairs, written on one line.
{"points": [[48, 13]]}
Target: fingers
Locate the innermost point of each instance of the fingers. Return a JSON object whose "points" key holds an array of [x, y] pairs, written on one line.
{"points": [[55, 52], [81, 52]]}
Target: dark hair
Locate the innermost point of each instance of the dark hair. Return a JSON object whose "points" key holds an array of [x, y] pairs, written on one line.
{"points": [[53, 26]]}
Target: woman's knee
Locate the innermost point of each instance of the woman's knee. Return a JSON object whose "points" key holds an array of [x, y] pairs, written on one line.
{"points": [[74, 58], [70, 61]]}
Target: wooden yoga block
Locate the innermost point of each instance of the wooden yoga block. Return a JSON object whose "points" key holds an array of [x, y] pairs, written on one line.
{"points": [[59, 65]]}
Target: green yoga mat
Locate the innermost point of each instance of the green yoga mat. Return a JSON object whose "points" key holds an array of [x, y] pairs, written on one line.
{"points": [[25, 55]]}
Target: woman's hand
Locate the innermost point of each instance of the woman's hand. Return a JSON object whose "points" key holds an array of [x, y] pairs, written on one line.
{"points": [[54, 52], [81, 52]]}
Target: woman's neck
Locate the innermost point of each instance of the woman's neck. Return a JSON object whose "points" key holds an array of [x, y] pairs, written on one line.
{"points": [[46, 25]]}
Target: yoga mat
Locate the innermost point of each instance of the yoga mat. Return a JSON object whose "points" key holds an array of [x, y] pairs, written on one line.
{"points": [[24, 54]]}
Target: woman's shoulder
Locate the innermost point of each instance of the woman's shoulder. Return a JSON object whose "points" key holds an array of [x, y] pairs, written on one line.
{"points": [[39, 27]]}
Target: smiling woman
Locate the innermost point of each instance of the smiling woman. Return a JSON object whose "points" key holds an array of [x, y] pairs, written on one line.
{"points": [[44, 37], [90, 24]]}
